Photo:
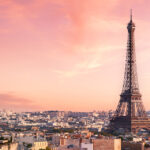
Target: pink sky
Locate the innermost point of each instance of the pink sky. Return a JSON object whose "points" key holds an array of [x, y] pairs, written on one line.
{"points": [[69, 54]]}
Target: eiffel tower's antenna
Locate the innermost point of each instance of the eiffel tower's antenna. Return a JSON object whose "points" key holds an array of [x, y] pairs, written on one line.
{"points": [[131, 15]]}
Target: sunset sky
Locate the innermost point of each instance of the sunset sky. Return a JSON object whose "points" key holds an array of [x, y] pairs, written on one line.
{"points": [[70, 54]]}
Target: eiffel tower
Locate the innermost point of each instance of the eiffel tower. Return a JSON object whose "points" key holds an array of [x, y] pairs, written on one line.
{"points": [[130, 114]]}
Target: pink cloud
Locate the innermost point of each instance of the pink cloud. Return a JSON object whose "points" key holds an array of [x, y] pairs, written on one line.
{"points": [[11, 101]]}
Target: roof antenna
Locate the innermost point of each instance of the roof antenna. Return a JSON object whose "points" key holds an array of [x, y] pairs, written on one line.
{"points": [[131, 15]]}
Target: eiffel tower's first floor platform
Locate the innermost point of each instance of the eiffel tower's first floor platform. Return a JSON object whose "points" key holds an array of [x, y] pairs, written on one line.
{"points": [[130, 124]]}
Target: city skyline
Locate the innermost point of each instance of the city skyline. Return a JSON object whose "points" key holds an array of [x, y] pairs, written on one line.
{"points": [[69, 55]]}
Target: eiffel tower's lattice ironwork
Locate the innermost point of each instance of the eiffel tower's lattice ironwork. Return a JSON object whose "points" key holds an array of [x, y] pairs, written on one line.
{"points": [[130, 113]]}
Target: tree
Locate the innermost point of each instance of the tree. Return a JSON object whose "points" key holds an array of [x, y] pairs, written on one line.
{"points": [[48, 148]]}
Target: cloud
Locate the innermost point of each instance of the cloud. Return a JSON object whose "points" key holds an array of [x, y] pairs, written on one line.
{"points": [[80, 68], [11, 101]]}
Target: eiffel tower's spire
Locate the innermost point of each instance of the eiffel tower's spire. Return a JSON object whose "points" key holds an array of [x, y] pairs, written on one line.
{"points": [[131, 15]]}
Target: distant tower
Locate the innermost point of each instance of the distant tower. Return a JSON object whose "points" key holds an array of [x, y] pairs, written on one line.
{"points": [[130, 114]]}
